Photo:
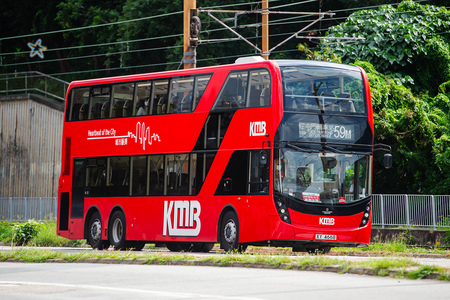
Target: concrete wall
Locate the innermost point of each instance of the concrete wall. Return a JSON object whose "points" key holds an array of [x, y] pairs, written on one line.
{"points": [[420, 237], [30, 145]]}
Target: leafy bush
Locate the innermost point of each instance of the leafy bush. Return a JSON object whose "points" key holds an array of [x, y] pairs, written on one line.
{"points": [[47, 237], [23, 233]]}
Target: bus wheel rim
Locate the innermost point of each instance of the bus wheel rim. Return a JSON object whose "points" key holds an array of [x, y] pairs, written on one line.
{"points": [[117, 230], [229, 232], [96, 230]]}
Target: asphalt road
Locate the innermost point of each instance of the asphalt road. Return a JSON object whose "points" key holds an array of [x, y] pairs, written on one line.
{"points": [[106, 281]]}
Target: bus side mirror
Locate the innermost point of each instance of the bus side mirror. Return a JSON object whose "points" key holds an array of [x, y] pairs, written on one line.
{"points": [[262, 157], [387, 160]]}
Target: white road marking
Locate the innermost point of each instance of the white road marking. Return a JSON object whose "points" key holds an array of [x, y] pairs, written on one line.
{"points": [[128, 290]]}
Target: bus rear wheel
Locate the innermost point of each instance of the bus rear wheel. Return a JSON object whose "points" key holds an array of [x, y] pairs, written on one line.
{"points": [[229, 233], [178, 247], [94, 234], [117, 231], [324, 250], [202, 247], [135, 246]]}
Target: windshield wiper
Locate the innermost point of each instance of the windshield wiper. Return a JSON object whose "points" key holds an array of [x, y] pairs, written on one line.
{"points": [[289, 145], [333, 149], [326, 147]]}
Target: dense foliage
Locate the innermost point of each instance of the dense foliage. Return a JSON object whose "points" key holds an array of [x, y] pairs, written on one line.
{"points": [[94, 38], [410, 40], [407, 57]]}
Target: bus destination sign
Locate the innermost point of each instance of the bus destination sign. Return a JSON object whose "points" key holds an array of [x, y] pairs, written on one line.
{"points": [[328, 131]]}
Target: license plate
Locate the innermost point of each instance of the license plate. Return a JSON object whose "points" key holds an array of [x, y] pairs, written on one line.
{"points": [[330, 237]]}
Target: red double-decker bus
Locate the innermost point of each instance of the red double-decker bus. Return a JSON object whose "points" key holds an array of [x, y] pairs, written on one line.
{"points": [[255, 153]]}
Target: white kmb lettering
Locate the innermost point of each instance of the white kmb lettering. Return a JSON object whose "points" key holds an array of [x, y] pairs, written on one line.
{"points": [[185, 214], [326, 221], [258, 128]]}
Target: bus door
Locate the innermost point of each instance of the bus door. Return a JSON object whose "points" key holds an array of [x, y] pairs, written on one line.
{"points": [[90, 176], [78, 188]]}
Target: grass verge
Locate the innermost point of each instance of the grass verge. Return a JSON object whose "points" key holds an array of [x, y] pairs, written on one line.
{"points": [[45, 235], [394, 267]]}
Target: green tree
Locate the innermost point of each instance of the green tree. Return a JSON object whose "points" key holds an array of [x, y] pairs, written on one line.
{"points": [[417, 129], [410, 40], [84, 13], [406, 53]]}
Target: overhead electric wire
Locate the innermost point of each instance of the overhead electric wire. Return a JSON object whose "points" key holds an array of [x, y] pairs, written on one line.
{"points": [[89, 27], [101, 45], [94, 55], [108, 44], [271, 23]]}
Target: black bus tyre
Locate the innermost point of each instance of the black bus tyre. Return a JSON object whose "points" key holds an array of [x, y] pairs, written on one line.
{"points": [[117, 231], [320, 250], [136, 246], [229, 233], [202, 247], [94, 234], [207, 247], [173, 247], [324, 250]]}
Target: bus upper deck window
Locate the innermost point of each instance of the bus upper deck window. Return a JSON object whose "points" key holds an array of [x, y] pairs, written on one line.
{"points": [[200, 86], [99, 103], [181, 95], [161, 89], [330, 90], [244, 89], [142, 104], [259, 88], [79, 97], [122, 94]]}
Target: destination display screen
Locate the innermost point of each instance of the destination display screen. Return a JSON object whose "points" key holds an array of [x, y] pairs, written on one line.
{"points": [[328, 131]]}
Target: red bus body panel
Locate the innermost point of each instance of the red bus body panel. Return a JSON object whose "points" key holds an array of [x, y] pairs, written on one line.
{"points": [[259, 221]]}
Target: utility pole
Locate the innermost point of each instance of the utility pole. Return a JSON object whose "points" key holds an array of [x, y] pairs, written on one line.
{"points": [[190, 46], [265, 29]]}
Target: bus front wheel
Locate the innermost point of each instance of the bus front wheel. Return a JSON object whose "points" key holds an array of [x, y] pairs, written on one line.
{"points": [[94, 235], [229, 233], [117, 230]]}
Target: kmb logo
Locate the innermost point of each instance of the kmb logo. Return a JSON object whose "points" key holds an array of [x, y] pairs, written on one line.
{"points": [[258, 128], [326, 221], [185, 214]]}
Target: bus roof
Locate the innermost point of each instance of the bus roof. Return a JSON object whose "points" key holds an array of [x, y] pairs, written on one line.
{"points": [[315, 63], [162, 74]]}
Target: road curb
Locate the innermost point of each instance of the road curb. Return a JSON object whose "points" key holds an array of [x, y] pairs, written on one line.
{"points": [[236, 264]]}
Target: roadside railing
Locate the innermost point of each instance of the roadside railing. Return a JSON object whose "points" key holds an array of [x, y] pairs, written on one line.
{"points": [[424, 211], [32, 82], [25, 208], [427, 211]]}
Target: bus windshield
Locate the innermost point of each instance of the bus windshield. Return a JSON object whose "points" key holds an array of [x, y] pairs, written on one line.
{"points": [[331, 90], [322, 177]]}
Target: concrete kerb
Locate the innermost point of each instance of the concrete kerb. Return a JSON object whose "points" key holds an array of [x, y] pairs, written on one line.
{"points": [[283, 266]]}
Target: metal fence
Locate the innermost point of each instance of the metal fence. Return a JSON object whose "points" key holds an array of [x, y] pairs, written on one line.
{"points": [[427, 211], [33, 82], [25, 208]]}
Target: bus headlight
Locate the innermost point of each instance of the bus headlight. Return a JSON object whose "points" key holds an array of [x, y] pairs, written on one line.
{"points": [[366, 216], [282, 210]]}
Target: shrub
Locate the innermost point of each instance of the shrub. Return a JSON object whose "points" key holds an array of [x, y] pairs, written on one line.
{"points": [[47, 237], [23, 233]]}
